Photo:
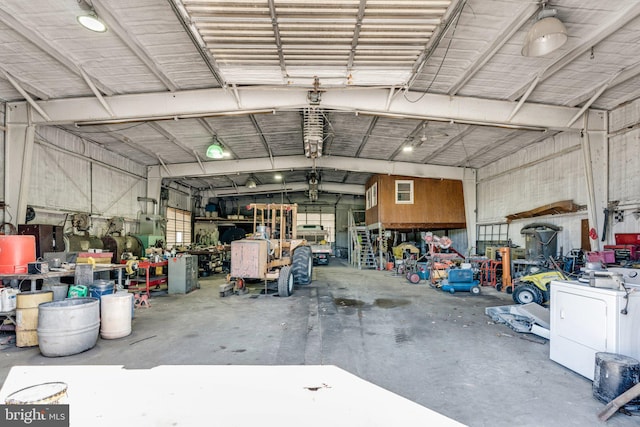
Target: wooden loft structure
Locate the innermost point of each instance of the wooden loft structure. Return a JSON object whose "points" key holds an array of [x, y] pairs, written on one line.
{"points": [[409, 203]]}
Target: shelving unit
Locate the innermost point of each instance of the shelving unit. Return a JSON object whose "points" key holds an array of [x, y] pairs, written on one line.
{"points": [[149, 282]]}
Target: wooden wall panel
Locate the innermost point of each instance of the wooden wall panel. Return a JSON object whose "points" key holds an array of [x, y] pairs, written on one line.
{"points": [[438, 203]]}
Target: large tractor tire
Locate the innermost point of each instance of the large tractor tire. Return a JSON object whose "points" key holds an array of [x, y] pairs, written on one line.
{"points": [[285, 282], [527, 293], [302, 265]]}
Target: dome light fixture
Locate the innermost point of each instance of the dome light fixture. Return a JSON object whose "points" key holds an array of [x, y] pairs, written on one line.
{"points": [[215, 151], [546, 35], [91, 22], [251, 183]]}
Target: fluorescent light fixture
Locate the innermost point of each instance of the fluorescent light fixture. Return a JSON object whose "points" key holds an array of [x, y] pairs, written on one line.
{"points": [[91, 22], [546, 35], [407, 148]]}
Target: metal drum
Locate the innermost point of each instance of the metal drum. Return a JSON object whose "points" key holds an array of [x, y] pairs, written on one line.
{"points": [[68, 327]]}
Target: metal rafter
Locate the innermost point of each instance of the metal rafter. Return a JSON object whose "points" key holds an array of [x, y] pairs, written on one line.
{"points": [[521, 17], [356, 34], [162, 131], [261, 136], [29, 88], [505, 139], [205, 124], [448, 144], [48, 48], [25, 95], [410, 137], [198, 43], [433, 42], [276, 34], [132, 42], [366, 136], [217, 102], [288, 163], [540, 138], [623, 76], [127, 141]]}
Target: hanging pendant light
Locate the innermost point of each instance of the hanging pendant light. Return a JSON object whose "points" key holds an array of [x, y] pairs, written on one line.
{"points": [[88, 18], [215, 150], [92, 22], [546, 35]]}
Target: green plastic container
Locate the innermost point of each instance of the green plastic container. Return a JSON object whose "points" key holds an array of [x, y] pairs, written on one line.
{"points": [[78, 291]]}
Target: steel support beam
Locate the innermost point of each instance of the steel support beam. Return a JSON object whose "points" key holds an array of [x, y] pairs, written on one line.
{"points": [[19, 140], [154, 182], [469, 191], [227, 167], [327, 187], [211, 102]]}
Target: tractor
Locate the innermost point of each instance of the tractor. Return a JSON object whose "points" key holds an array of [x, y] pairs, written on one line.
{"points": [[272, 253], [534, 287]]}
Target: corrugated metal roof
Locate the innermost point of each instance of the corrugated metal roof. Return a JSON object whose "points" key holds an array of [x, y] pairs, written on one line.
{"points": [[469, 48]]}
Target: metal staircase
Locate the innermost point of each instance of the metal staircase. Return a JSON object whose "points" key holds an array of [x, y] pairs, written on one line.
{"points": [[361, 250], [367, 258]]}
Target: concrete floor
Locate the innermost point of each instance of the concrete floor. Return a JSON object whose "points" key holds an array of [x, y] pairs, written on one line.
{"points": [[436, 349]]}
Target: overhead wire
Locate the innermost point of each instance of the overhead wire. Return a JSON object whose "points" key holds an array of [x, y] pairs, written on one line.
{"points": [[444, 57]]}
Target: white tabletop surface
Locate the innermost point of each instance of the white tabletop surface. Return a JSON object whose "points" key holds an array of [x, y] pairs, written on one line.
{"points": [[242, 396]]}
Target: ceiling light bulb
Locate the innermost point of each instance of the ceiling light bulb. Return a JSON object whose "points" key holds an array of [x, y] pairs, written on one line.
{"points": [[407, 148], [277, 177], [215, 151], [92, 22]]}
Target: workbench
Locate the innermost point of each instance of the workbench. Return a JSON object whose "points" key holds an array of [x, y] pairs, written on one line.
{"points": [[33, 278], [149, 281]]}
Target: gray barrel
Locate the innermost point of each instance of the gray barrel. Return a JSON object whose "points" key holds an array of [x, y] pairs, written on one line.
{"points": [[115, 315], [59, 290], [68, 327]]}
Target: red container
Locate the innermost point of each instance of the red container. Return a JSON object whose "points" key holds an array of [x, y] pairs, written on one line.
{"points": [[15, 253], [627, 238]]}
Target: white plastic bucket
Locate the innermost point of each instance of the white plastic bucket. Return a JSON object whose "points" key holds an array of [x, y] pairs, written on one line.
{"points": [[8, 299], [125, 292], [115, 315]]}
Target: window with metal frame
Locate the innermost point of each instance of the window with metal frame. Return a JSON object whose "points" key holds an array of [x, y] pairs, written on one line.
{"points": [[492, 235], [178, 227]]}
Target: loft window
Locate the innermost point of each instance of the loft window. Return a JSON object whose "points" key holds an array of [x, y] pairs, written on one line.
{"points": [[372, 196], [404, 192]]}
